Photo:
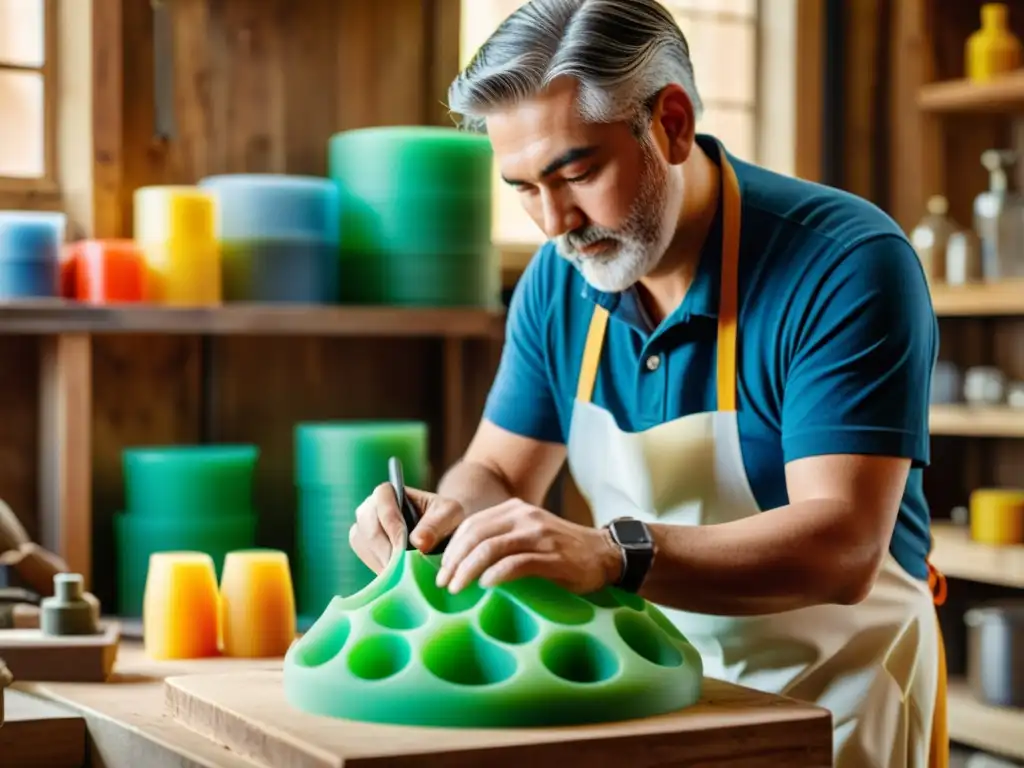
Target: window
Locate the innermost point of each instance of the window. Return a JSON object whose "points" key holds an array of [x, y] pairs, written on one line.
{"points": [[26, 95], [724, 47]]}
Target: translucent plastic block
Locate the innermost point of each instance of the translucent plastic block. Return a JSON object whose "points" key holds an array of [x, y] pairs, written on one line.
{"points": [[529, 653]]}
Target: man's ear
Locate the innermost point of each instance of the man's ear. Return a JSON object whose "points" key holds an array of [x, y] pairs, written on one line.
{"points": [[673, 124]]}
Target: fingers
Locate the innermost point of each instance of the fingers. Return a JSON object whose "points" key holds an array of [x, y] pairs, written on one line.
{"points": [[363, 551], [479, 542], [486, 556], [389, 515], [379, 528], [440, 517]]}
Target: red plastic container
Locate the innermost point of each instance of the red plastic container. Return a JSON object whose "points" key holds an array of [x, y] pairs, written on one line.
{"points": [[104, 271]]}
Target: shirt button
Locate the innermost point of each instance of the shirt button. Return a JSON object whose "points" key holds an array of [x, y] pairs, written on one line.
{"points": [[653, 363]]}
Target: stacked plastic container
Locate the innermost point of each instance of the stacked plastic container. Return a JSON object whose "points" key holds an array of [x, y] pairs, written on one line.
{"points": [[30, 254], [279, 237], [416, 205], [182, 498], [338, 465], [174, 227], [104, 272]]}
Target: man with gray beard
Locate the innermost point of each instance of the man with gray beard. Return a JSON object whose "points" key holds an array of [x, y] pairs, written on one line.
{"points": [[735, 365]]}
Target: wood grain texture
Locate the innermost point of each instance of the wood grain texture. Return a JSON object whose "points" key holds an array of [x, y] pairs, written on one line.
{"points": [[248, 714], [258, 87], [19, 428], [37, 734]]}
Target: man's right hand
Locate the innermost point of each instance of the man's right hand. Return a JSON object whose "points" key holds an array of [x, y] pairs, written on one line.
{"points": [[380, 528]]}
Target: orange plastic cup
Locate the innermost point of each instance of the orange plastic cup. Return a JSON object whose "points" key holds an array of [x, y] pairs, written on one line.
{"points": [[257, 604], [107, 271], [179, 606]]}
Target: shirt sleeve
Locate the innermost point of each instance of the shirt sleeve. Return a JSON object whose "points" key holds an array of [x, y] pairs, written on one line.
{"points": [[522, 398], [861, 358]]}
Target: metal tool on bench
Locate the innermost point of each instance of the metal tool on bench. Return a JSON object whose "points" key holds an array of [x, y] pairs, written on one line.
{"points": [[410, 514]]}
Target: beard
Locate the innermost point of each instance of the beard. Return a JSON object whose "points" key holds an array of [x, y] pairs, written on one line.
{"points": [[634, 248]]}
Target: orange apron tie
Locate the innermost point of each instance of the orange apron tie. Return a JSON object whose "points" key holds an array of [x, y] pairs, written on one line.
{"points": [[938, 754]]}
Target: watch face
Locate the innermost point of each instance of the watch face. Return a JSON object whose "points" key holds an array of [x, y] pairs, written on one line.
{"points": [[631, 533]]}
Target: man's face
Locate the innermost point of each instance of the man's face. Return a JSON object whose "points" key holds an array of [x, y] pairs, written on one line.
{"points": [[595, 189]]}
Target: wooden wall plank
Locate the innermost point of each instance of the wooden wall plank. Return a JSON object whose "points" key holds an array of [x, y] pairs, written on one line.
{"points": [[19, 429], [260, 87]]}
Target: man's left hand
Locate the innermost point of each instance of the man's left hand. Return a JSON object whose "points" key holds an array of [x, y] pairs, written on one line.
{"points": [[515, 539]]}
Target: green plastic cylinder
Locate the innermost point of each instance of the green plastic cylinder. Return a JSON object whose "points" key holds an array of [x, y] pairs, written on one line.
{"points": [[436, 280], [338, 466], [355, 453], [383, 163], [416, 212], [193, 482], [137, 537]]}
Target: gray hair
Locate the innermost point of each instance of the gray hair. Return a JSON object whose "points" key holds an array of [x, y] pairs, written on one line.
{"points": [[621, 52]]}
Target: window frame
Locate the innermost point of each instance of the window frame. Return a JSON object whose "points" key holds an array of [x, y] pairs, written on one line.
{"points": [[37, 192]]}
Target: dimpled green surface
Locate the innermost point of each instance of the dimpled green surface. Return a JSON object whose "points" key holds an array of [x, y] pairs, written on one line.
{"points": [[528, 653]]}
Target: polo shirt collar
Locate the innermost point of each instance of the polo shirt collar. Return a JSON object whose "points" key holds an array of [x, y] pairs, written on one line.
{"points": [[702, 297]]}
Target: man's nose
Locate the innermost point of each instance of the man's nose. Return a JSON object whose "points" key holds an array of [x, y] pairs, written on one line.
{"points": [[559, 216]]}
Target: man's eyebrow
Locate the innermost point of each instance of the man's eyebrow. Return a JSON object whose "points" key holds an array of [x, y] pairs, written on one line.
{"points": [[571, 156]]}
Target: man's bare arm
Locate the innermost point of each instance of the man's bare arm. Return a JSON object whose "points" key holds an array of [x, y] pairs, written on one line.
{"points": [[499, 465]]}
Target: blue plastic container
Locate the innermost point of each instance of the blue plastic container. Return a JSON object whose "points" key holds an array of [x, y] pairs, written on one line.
{"points": [[275, 207], [279, 237], [281, 271], [30, 248]]}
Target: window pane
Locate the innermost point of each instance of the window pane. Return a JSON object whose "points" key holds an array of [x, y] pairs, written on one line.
{"points": [[511, 223], [21, 32], [21, 124], [738, 7], [723, 57], [733, 127]]}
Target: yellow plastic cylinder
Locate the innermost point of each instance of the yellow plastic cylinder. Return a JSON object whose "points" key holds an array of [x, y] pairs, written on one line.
{"points": [[997, 516], [176, 230], [180, 606], [257, 604]]}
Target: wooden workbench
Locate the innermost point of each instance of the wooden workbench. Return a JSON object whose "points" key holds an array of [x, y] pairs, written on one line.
{"points": [[227, 713]]}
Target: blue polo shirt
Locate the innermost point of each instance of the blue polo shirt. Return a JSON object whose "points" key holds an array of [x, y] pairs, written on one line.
{"points": [[837, 341]]}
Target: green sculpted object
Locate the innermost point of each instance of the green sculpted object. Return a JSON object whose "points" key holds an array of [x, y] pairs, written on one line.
{"points": [[528, 653]]}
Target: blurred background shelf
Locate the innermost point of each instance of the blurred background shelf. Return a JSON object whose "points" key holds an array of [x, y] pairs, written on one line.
{"points": [[959, 557], [988, 300], [973, 421], [56, 317], [984, 727], [1004, 94]]}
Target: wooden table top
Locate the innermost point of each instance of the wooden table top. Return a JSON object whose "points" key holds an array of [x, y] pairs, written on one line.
{"points": [[231, 713]]}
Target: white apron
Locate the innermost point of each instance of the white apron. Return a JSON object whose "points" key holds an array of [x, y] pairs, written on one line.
{"points": [[878, 666]]}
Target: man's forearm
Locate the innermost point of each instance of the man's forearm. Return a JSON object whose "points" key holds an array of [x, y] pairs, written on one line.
{"points": [[474, 486], [779, 560]]}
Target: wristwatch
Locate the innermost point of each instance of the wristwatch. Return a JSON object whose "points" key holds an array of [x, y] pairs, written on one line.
{"points": [[637, 546]]}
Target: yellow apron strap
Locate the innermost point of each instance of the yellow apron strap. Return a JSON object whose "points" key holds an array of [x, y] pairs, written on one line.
{"points": [[728, 300], [592, 354], [727, 305]]}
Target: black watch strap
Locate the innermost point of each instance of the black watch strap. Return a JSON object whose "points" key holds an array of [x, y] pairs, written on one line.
{"points": [[637, 546]]}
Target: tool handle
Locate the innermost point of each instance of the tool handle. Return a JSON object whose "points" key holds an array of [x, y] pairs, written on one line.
{"points": [[410, 514]]}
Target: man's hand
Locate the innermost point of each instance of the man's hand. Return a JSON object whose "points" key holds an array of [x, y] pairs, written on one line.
{"points": [[515, 539], [379, 527]]}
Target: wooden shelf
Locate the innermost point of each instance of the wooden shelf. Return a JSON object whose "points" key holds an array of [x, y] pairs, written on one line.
{"points": [[63, 317], [1002, 95], [992, 729], [960, 558], [971, 421], [987, 300]]}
